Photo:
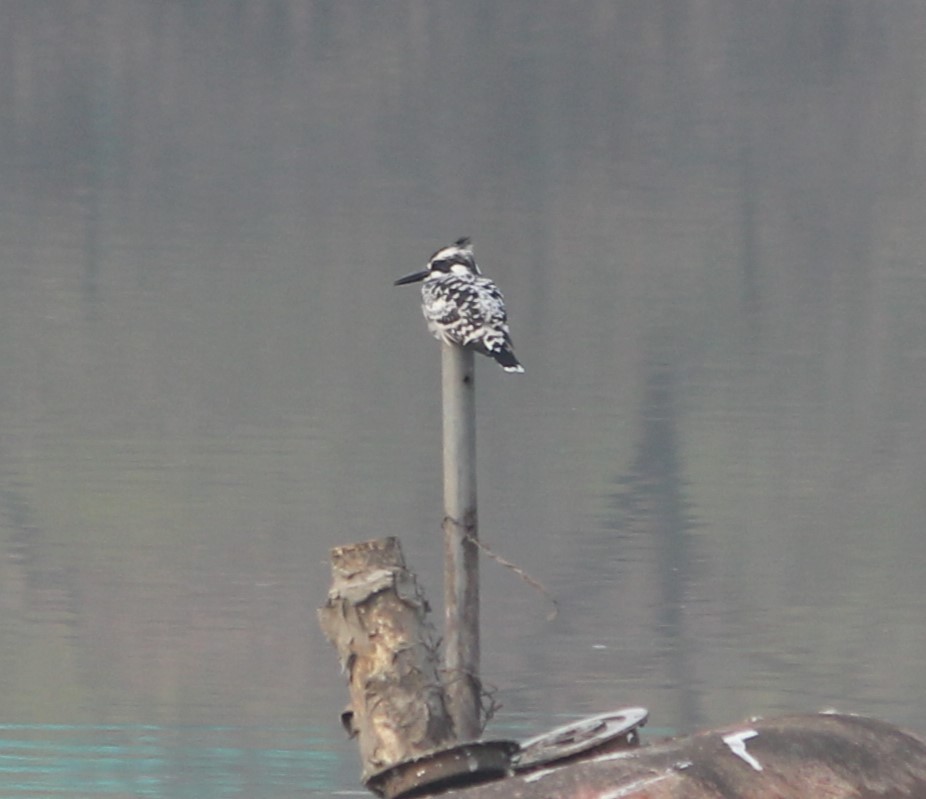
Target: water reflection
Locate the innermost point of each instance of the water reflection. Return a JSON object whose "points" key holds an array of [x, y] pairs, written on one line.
{"points": [[653, 522]]}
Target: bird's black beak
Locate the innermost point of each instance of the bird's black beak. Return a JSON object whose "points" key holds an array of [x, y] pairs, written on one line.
{"points": [[414, 277]]}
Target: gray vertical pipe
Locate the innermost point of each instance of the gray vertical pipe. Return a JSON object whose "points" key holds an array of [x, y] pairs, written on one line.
{"points": [[461, 556]]}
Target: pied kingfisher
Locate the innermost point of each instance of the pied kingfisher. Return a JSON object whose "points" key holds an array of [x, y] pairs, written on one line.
{"points": [[462, 307]]}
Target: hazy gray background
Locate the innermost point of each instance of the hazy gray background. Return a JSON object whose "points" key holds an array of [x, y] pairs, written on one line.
{"points": [[708, 219]]}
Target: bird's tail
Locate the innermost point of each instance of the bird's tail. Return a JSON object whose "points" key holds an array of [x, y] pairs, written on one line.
{"points": [[507, 360]]}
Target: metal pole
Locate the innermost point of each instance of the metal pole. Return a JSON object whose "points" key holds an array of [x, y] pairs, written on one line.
{"points": [[461, 556]]}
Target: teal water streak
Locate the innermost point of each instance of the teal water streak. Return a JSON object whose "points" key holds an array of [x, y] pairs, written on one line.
{"points": [[151, 761]]}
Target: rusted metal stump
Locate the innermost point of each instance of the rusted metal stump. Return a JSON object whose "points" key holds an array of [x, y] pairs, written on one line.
{"points": [[376, 618]]}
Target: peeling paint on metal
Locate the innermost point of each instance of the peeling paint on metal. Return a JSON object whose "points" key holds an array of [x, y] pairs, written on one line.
{"points": [[621, 755], [736, 742], [539, 775], [632, 788]]}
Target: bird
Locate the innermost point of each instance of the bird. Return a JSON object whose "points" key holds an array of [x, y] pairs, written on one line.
{"points": [[462, 306]]}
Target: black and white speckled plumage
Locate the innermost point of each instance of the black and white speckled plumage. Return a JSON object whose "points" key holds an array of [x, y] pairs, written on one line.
{"points": [[463, 307]]}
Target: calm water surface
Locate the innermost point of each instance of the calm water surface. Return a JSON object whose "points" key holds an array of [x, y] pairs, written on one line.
{"points": [[709, 226]]}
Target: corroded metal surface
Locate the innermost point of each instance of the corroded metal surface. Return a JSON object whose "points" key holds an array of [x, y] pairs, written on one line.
{"points": [[464, 764], [822, 756], [616, 729]]}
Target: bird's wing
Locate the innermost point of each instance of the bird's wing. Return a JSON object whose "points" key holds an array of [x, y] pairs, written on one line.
{"points": [[441, 310]]}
